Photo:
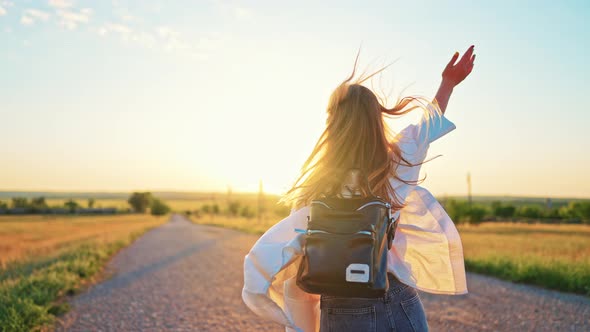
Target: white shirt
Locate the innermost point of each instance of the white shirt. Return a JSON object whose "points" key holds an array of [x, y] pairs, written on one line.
{"points": [[427, 253]]}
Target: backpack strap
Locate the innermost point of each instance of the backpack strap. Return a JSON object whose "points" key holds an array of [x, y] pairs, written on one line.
{"points": [[391, 232]]}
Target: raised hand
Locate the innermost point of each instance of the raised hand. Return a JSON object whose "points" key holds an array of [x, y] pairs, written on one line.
{"points": [[454, 74]]}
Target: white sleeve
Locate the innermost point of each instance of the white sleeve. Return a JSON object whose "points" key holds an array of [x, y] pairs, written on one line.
{"points": [[429, 130], [414, 141]]}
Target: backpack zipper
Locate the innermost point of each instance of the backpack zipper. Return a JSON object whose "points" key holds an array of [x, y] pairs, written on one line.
{"points": [[387, 205], [316, 231], [322, 203]]}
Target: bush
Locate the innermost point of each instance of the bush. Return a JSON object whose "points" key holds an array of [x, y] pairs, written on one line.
{"points": [[233, 208], [475, 214], [206, 209], [71, 205], [159, 208], [456, 209], [20, 203], [503, 211], [580, 210], [462, 211], [552, 214], [246, 212], [38, 204], [530, 211]]}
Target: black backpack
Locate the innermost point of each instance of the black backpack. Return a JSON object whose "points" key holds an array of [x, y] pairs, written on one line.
{"points": [[346, 246]]}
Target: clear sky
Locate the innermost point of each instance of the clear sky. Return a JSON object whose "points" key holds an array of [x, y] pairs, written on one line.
{"points": [[199, 95]]}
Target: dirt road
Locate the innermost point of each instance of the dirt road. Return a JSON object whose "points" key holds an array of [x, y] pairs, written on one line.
{"points": [[185, 277]]}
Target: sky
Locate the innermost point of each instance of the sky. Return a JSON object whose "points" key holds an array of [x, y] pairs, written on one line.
{"points": [[206, 95]]}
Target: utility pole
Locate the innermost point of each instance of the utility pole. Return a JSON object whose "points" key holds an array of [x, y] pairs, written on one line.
{"points": [[469, 188]]}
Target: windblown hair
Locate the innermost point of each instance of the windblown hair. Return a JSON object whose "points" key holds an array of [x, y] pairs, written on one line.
{"points": [[356, 136]]}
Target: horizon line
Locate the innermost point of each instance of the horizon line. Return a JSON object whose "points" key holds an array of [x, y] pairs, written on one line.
{"points": [[252, 192]]}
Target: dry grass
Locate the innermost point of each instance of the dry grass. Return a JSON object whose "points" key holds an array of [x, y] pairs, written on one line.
{"points": [[568, 244], [43, 258], [249, 225], [26, 237], [553, 256], [121, 204]]}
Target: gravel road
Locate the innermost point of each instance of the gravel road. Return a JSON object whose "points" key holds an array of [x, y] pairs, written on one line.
{"points": [[186, 277]]}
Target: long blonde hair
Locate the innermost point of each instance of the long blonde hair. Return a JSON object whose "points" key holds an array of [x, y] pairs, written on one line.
{"points": [[356, 136]]}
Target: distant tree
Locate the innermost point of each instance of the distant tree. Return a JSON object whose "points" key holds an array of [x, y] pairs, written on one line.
{"points": [[38, 204], [91, 202], [159, 208], [462, 211], [140, 201], [475, 214], [215, 209], [20, 203], [39, 201], [552, 213], [457, 210], [247, 212], [233, 208], [529, 211], [579, 211], [502, 211], [3, 205], [206, 209], [71, 205]]}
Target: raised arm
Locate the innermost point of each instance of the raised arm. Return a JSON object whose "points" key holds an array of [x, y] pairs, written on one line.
{"points": [[415, 139], [452, 75]]}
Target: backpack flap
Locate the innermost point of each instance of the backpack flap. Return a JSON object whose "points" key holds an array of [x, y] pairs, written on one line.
{"points": [[344, 248]]}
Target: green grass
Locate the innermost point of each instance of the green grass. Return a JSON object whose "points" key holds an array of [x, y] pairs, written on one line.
{"points": [[551, 256], [29, 290], [558, 276]]}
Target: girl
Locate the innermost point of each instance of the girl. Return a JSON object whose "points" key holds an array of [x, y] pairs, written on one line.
{"points": [[426, 254]]}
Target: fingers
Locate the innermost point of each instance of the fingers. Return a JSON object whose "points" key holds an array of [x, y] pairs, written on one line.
{"points": [[472, 61], [453, 59], [467, 55]]}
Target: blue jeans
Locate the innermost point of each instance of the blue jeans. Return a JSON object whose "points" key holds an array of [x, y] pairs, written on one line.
{"points": [[399, 310]]}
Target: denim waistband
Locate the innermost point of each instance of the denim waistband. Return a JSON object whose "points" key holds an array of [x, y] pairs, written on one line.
{"points": [[395, 287]]}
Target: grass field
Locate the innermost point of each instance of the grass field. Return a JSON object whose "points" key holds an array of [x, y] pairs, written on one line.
{"points": [[121, 204], [44, 258], [551, 256], [252, 225]]}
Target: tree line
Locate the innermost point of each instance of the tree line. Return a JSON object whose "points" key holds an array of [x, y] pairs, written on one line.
{"points": [[460, 211], [139, 202], [575, 212], [237, 208]]}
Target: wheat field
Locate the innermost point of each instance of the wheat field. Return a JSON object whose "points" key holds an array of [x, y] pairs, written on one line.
{"points": [[30, 237]]}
